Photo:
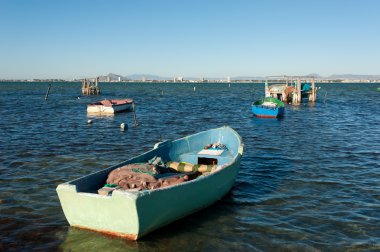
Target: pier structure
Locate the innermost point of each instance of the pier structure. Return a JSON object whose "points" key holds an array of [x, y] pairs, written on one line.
{"points": [[292, 89], [90, 87]]}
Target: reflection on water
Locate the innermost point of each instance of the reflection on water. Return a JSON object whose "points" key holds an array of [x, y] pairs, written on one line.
{"points": [[101, 116], [83, 240], [186, 234], [307, 182]]}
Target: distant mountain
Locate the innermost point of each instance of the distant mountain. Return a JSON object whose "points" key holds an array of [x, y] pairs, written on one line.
{"points": [[352, 77], [315, 75], [146, 77], [139, 77], [115, 77], [248, 78], [111, 77]]}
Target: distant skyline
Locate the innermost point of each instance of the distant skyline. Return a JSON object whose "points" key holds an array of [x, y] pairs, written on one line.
{"points": [[217, 38]]}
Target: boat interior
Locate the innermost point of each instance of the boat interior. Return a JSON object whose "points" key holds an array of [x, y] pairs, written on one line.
{"points": [[210, 148]]}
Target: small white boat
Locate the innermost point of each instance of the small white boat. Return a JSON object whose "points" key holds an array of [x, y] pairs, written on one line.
{"points": [[110, 106]]}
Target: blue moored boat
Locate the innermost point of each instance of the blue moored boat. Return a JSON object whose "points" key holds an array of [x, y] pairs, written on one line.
{"points": [[268, 107]]}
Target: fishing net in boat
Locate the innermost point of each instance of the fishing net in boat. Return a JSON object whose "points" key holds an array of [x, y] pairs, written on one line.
{"points": [[146, 176], [133, 176]]}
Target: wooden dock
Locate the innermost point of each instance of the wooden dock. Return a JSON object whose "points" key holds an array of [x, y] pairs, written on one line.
{"points": [[293, 90], [90, 87]]}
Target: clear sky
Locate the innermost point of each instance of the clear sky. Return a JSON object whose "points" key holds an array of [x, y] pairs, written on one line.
{"points": [[194, 38]]}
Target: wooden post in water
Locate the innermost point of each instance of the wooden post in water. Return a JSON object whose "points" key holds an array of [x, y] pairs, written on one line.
{"points": [[299, 91], [47, 92], [134, 114], [295, 93], [267, 92], [312, 96]]}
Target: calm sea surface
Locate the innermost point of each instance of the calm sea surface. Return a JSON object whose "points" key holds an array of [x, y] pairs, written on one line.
{"points": [[307, 182]]}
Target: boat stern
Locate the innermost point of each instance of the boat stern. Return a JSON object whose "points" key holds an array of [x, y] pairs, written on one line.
{"points": [[115, 214]]}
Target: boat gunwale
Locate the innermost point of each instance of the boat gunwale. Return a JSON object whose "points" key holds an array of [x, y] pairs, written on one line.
{"points": [[277, 102], [99, 103], [137, 194]]}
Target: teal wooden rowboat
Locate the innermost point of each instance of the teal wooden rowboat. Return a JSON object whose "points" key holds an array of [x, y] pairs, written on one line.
{"points": [[133, 214]]}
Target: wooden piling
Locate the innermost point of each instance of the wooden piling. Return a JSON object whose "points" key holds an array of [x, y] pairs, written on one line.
{"points": [[267, 92], [47, 92], [295, 93], [312, 95], [134, 115], [299, 91]]}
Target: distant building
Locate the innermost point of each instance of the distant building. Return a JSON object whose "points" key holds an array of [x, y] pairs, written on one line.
{"points": [[228, 79], [119, 78], [178, 79]]}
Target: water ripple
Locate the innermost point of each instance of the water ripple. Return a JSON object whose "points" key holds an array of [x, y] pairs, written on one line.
{"points": [[308, 182]]}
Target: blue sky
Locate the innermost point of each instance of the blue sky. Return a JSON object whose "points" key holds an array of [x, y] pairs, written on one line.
{"points": [[213, 38]]}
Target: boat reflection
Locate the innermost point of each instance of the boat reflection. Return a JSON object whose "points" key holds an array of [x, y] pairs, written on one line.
{"points": [[100, 115], [82, 240], [91, 115]]}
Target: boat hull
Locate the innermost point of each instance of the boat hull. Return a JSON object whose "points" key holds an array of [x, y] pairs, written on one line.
{"points": [[133, 214], [110, 107], [267, 112], [268, 107]]}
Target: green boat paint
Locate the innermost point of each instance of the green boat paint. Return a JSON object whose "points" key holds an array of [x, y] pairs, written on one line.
{"points": [[270, 99]]}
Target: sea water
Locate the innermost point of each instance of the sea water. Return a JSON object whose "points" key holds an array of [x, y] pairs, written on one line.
{"points": [[308, 182]]}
